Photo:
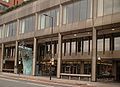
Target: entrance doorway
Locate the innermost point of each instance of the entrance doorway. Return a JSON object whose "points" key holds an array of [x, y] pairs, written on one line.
{"points": [[118, 71]]}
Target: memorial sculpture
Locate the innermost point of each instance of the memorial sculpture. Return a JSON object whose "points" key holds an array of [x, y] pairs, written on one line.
{"points": [[26, 56]]}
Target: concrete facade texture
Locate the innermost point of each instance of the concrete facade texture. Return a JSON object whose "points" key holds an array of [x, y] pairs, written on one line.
{"points": [[94, 28]]}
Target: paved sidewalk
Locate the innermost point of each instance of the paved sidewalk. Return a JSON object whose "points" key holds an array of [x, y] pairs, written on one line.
{"points": [[61, 81]]}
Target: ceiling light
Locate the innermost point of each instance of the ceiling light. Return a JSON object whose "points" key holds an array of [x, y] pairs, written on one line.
{"points": [[75, 35], [113, 29]]}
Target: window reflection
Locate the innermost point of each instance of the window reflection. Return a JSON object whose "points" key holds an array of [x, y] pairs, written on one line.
{"points": [[73, 47], [107, 44], [100, 8], [100, 45], [117, 43], [46, 22], [27, 24], [107, 7], [86, 46], [116, 5], [10, 29]]}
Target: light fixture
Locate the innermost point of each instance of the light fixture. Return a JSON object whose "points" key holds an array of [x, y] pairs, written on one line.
{"points": [[88, 32], [113, 29], [99, 58], [75, 35]]}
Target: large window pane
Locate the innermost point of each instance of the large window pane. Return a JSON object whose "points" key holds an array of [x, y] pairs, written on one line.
{"points": [[46, 21], [10, 29], [76, 11], [27, 24], [89, 12], [73, 47], [42, 21], [64, 15], [68, 48], [86, 46], [100, 8], [100, 45], [116, 5], [107, 44], [70, 13], [117, 43], [1, 28], [107, 7], [83, 9]]}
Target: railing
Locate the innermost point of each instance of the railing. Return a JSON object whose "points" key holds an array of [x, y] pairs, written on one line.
{"points": [[76, 75]]}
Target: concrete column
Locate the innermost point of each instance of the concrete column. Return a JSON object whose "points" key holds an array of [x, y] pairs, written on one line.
{"points": [[18, 24], [34, 56], [2, 56], [16, 58], [82, 67], [94, 55], [114, 71], [36, 22], [59, 55]]}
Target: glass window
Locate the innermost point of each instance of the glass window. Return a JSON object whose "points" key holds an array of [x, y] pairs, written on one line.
{"points": [[57, 13], [107, 7], [100, 45], [42, 21], [27, 24], [63, 46], [10, 29], [76, 11], [89, 9], [117, 43], [73, 47], [1, 28], [46, 21], [64, 15], [70, 13], [116, 5], [90, 45], [86, 46], [68, 48], [83, 9], [100, 8], [107, 44]]}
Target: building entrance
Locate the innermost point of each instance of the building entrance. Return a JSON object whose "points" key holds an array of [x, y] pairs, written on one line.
{"points": [[118, 71]]}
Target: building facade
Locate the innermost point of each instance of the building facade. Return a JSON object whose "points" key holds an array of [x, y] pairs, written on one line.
{"points": [[84, 40]]}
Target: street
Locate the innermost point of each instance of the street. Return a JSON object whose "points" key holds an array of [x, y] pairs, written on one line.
{"points": [[19, 83]]}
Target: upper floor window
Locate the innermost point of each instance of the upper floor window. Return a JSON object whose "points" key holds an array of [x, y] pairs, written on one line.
{"points": [[10, 29], [46, 21], [1, 31], [77, 11], [100, 8], [27, 24], [117, 43], [116, 6], [106, 7]]}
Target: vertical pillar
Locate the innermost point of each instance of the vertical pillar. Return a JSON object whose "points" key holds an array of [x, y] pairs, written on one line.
{"points": [[114, 70], [82, 67], [94, 42], [2, 56], [59, 55], [36, 22], [94, 54], [34, 56], [16, 57]]}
